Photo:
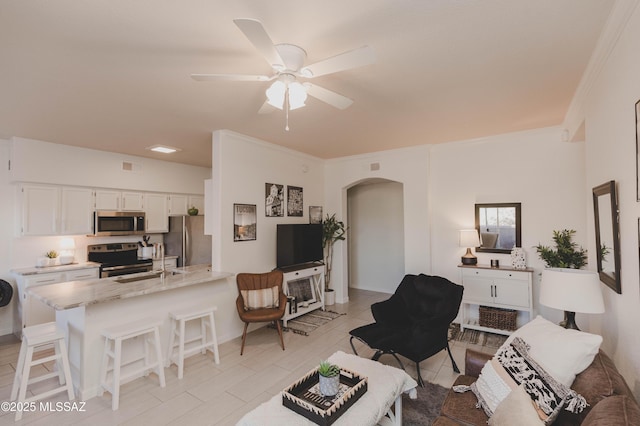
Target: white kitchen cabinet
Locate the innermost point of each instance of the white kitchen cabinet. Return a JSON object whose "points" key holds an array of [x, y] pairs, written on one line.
{"points": [[169, 263], [118, 200], [502, 287], [32, 311], [77, 211], [307, 280], [156, 207], [178, 204], [40, 210]]}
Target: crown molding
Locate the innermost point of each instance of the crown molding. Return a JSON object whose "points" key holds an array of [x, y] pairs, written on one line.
{"points": [[613, 28]]}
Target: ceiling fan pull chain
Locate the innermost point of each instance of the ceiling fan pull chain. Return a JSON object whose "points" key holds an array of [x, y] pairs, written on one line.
{"points": [[286, 109]]}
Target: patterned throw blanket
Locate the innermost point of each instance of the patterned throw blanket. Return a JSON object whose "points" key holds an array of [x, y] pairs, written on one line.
{"points": [[511, 367]]}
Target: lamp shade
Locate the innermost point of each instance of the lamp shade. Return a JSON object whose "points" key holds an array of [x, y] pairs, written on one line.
{"points": [[469, 238], [572, 290]]}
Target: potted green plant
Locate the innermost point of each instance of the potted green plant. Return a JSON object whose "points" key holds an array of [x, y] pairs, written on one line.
{"points": [[333, 230], [566, 254], [52, 255], [328, 378]]}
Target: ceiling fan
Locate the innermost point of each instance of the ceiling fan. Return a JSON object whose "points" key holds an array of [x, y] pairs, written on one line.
{"points": [[287, 62]]}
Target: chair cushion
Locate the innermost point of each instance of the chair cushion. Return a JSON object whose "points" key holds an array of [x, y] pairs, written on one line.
{"points": [[261, 299]]}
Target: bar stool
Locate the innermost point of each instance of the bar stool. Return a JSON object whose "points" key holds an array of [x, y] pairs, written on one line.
{"points": [[178, 321], [114, 336], [38, 338]]}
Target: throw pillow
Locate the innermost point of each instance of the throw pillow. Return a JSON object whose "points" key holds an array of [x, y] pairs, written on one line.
{"points": [[516, 409], [513, 366], [562, 353], [261, 299]]}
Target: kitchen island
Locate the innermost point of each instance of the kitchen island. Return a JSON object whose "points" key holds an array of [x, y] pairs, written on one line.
{"points": [[85, 308]]}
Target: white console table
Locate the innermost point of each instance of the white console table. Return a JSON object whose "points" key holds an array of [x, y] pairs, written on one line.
{"points": [[309, 279], [501, 287]]}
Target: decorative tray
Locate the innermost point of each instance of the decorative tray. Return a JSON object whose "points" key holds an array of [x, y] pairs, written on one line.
{"points": [[304, 397]]}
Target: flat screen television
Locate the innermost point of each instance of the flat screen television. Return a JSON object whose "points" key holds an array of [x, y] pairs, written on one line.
{"points": [[298, 243]]}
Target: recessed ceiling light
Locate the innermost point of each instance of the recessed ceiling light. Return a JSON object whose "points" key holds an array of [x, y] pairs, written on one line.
{"points": [[163, 149]]}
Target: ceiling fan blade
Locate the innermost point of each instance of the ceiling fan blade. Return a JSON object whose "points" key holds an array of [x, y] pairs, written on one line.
{"points": [[266, 108], [257, 35], [344, 61], [230, 77], [332, 98]]}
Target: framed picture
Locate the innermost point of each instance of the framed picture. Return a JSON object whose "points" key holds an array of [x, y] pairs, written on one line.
{"points": [[638, 151], [244, 222], [315, 214], [302, 290], [274, 200], [294, 201]]}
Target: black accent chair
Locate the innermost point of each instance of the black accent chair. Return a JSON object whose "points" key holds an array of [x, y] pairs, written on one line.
{"points": [[414, 322]]}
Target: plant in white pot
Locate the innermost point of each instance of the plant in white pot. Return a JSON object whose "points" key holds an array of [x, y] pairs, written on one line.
{"points": [[328, 378], [333, 230]]}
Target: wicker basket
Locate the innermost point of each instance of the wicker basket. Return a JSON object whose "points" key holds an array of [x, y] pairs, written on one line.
{"points": [[502, 319]]}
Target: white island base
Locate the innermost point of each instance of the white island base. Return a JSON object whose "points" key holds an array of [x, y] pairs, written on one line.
{"points": [[126, 302]]}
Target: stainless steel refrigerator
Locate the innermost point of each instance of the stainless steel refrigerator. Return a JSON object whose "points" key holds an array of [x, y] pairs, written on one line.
{"points": [[186, 239]]}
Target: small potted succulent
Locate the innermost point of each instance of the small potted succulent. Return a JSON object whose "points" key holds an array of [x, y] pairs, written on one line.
{"points": [[329, 378], [52, 255]]}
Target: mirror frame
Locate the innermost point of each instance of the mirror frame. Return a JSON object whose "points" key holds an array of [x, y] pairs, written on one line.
{"points": [[608, 188], [518, 226]]}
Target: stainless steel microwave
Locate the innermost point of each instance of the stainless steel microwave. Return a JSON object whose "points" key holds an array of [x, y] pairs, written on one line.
{"points": [[108, 223]]}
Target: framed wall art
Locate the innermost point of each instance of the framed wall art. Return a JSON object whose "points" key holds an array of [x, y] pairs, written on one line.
{"points": [[274, 200], [315, 214], [294, 201], [244, 222]]}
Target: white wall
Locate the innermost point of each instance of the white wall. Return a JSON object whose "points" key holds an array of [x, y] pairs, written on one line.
{"points": [[611, 155], [533, 168], [410, 167], [241, 168], [376, 236]]}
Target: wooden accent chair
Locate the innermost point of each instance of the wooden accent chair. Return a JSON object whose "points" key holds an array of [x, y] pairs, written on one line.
{"points": [[254, 289]]}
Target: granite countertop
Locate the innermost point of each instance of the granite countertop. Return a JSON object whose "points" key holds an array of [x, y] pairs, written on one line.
{"points": [[73, 294], [52, 269]]}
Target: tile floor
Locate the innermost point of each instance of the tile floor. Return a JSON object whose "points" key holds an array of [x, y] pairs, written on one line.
{"points": [[211, 394]]}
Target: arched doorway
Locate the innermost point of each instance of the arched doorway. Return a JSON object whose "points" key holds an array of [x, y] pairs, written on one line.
{"points": [[375, 216]]}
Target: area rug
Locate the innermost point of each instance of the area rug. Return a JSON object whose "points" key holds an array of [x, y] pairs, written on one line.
{"points": [[475, 337], [308, 322], [424, 410]]}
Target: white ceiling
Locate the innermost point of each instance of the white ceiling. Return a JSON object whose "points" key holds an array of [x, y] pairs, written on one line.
{"points": [[115, 74]]}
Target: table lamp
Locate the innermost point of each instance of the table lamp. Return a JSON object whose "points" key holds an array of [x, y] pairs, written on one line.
{"points": [[469, 238], [572, 290]]}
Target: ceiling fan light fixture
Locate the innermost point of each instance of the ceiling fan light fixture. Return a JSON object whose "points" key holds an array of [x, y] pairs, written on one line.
{"points": [[275, 94], [306, 72], [297, 95]]}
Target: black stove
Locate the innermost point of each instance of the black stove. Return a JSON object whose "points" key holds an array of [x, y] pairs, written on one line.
{"points": [[118, 259]]}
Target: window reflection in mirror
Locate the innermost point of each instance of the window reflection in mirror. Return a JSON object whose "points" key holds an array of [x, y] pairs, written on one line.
{"points": [[499, 227]]}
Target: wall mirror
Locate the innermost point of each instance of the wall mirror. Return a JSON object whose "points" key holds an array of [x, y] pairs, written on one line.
{"points": [[605, 209], [499, 227]]}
